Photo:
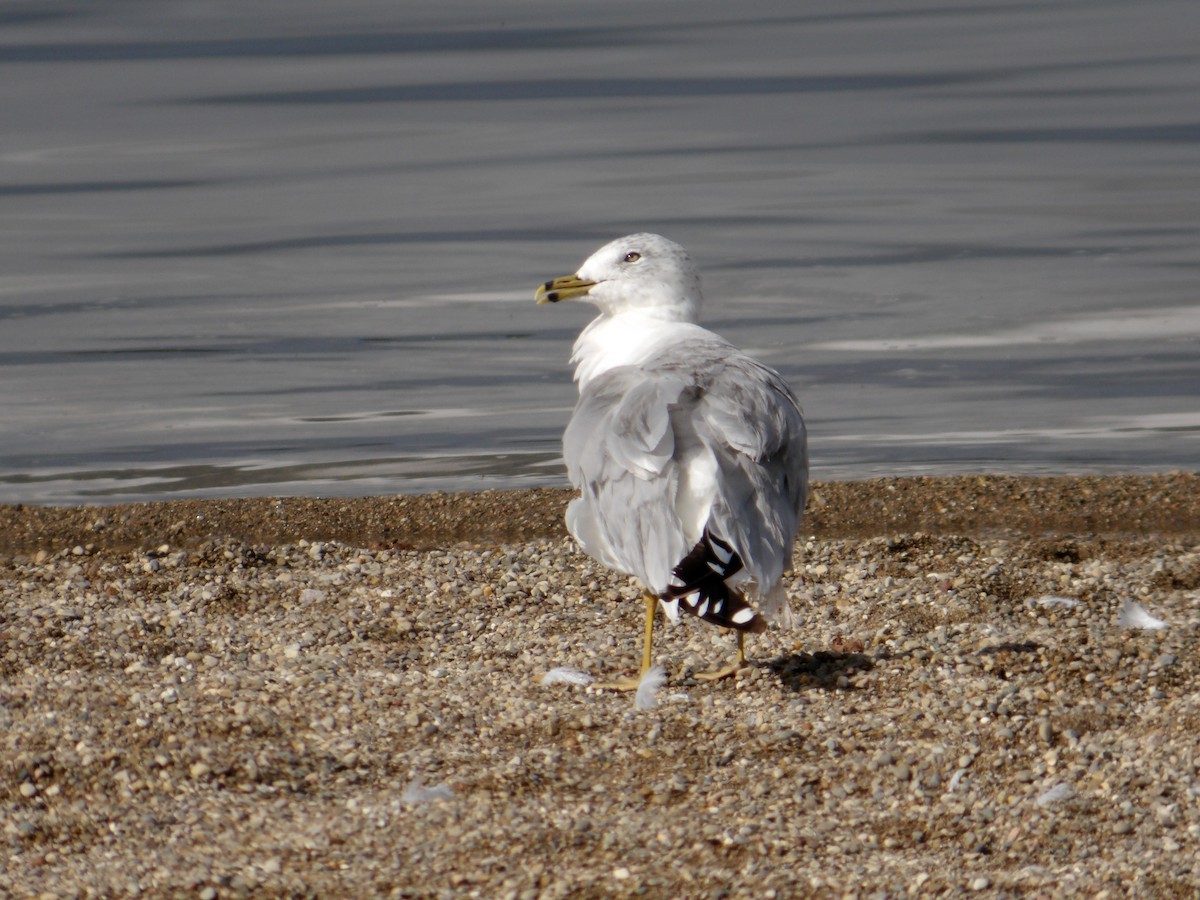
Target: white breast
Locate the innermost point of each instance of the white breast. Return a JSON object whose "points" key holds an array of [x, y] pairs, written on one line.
{"points": [[627, 339]]}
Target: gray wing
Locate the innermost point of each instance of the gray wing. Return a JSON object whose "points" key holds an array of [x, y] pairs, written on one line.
{"points": [[619, 448], [749, 418]]}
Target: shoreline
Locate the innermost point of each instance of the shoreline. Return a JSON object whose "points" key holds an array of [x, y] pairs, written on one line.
{"points": [[1167, 504]]}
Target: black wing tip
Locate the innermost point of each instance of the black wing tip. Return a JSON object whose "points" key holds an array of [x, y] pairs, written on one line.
{"points": [[717, 603], [703, 592]]}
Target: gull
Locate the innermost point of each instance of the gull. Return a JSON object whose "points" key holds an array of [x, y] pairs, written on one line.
{"points": [[690, 457]]}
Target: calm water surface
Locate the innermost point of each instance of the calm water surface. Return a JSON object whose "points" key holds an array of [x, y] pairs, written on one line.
{"points": [[273, 248]]}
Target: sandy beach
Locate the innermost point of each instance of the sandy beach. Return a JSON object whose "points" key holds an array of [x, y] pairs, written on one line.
{"points": [[991, 687]]}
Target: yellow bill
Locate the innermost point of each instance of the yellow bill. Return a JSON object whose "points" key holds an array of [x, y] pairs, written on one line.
{"points": [[564, 288]]}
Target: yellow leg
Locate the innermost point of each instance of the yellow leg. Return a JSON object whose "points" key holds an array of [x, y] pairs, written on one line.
{"points": [[728, 670], [648, 637], [631, 684]]}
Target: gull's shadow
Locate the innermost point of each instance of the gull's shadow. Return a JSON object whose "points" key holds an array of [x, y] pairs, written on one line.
{"points": [[823, 669]]}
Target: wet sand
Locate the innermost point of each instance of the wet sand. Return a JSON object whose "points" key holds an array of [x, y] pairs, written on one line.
{"points": [[332, 697]]}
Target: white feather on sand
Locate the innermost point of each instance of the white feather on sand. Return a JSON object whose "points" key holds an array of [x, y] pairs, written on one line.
{"points": [[566, 675], [417, 793], [648, 687], [1053, 795], [1052, 601], [1134, 615]]}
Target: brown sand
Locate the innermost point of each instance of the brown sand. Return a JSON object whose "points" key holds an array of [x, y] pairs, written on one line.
{"points": [[1127, 505], [339, 698]]}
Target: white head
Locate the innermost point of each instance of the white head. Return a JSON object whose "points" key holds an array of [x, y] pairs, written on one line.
{"points": [[636, 272]]}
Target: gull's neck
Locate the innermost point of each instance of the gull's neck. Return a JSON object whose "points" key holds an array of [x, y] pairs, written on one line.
{"points": [[627, 338]]}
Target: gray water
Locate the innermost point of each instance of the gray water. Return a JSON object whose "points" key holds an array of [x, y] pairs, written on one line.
{"points": [[278, 248]]}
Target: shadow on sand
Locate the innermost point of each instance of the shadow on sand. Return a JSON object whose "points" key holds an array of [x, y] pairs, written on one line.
{"points": [[824, 669]]}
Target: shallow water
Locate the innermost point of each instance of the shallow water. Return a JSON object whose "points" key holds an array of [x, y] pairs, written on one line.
{"points": [[249, 249]]}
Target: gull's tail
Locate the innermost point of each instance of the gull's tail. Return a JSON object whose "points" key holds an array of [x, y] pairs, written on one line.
{"points": [[700, 587]]}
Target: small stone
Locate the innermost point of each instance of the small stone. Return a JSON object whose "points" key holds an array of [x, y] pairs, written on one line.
{"points": [[28, 789], [620, 873], [200, 770], [208, 892], [980, 884]]}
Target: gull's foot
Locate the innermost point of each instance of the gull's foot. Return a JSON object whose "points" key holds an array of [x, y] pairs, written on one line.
{"points": [[728, 672], [621, 684]]}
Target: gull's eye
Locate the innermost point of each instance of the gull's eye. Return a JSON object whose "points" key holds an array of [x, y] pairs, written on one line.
{"points": [[632, 256]]}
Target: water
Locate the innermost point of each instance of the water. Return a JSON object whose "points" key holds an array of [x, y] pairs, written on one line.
{"points": [[273, 248]]}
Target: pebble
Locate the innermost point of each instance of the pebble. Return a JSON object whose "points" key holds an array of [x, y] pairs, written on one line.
{"points": [[245, 719]]}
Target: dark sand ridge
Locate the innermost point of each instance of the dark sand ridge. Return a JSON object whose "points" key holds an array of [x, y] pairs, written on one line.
{"points": [[1166, 504]]}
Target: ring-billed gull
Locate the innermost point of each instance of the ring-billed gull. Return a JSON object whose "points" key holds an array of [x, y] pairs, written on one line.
{"points": [[690, 457]]}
